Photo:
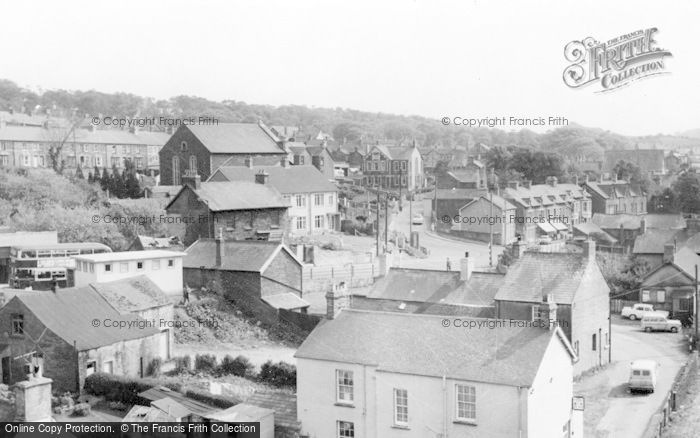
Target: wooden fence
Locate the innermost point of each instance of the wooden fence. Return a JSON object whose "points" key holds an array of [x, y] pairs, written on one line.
{"points": [[321, 278]]}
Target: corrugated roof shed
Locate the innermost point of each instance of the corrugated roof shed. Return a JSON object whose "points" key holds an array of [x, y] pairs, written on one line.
{"points": [[421, 345]]}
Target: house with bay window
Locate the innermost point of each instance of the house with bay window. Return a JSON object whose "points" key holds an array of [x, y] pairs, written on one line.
{"points": [[312, 198], [416, 375]]}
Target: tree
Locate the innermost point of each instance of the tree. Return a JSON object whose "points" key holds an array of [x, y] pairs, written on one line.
{"points": [[687, 187], [629, 171], [105, 181], [79, 172], [664, 202], [132, 188]]}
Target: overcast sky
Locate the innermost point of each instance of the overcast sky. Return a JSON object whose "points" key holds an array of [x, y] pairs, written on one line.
{"points": [[430, 58]]}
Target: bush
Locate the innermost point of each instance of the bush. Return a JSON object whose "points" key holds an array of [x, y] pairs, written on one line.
{"points": [[218, 401], [81, 410], [183, 363], [279, 374], [154, 367], [123, 389], [240, 366], [205, 363]]}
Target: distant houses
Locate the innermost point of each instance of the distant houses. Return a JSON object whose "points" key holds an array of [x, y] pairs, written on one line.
{"points": [[616, 197], [379, 374], [393, 168]]}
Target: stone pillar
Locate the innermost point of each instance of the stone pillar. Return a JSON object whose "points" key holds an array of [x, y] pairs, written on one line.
{"points": [[33, 399]]}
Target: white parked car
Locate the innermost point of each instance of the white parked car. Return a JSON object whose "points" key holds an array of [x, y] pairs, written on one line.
{"points": [[417, 219], [657, 322], [640, 310]]}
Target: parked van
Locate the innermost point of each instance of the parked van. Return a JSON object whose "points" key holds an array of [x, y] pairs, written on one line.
{"points": [[658, 322], [643, 374]]}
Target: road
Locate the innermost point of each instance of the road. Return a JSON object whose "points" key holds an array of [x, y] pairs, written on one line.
{"points": [[440, 248], [611, 410]]}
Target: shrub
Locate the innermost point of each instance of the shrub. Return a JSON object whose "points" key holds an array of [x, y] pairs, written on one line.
{"points": [[81, 410], [123, 389], [205, 363], [279, 374], [154, 367], [240, 366], [183, 363], [218, 401]]}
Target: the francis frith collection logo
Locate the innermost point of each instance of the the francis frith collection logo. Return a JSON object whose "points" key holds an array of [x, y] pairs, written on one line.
{"points": [[614, 63]]}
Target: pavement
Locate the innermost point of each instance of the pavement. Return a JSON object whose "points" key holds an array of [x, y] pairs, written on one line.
{"points": [[611, 410]]}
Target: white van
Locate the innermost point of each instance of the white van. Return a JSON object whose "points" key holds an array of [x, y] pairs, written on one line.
{"points": [[643, 375], [659, 322]]}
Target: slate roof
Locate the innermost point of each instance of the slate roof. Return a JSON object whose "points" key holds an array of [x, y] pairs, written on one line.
{"points": [[619, 188], [497, 201], [460, 193], [238, 195], [284, 405], [193, 406], [445, 287], [686, 259], [664, 221], [420, 345], [239, 255], [544, 194], [132, 294], [613, 221], [287, 301], [593, 230], [69, 314], [653, 241], [537, 274], [286, 180], [237, 138]]}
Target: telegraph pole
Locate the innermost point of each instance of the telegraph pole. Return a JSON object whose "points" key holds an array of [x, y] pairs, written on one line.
{"points": [[377, 222], [410, 215], [490, 229], [697, 305], [386, 221]]}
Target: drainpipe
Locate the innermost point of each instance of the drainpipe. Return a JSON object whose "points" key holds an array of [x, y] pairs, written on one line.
{"points": [[364, 400], [520, 411], [444, 406]]}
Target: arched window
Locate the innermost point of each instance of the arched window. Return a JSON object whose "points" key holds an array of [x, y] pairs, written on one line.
{"points": [[183, 146], [176, 170], [193, 164]]}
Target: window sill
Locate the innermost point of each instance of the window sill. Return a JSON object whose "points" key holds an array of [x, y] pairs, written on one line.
{"points": [[400, 427], [344, 405], [465, 422]]}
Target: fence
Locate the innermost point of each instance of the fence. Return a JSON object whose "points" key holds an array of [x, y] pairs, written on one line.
{"points": [[321, 278], [678, 395], [617, 305]]}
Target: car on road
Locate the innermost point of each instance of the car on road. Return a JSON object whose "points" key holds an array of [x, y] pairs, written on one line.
{"points": [[657, 322], [643, 375], [417, 219], [639, 310]]}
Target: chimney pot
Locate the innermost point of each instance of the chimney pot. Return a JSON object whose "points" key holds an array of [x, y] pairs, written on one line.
{"points": [[261, 177], [466, 267], [669, 250]]}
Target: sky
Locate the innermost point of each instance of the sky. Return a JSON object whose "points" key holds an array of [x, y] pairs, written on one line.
{"points": [[469, 59]]}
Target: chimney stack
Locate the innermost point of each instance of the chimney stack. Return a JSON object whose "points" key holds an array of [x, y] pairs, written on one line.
{"points": [[54, 285], [527, 184], [192, 180], [669, 250], [589, 250], [513, 185], [249, 162], [284, 162], [466, 267], [220, 247], [261, 177], [334, 298], [642, 226], [552, 181]]}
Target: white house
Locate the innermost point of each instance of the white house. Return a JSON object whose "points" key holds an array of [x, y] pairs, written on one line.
{"points": [[382, 375], [312, 198], [164, 268]]}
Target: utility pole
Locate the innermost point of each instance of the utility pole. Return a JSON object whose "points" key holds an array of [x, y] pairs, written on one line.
{"points": [[386, 221], [400, 186], [377, 222], [490, 229], [697, 305], [410, 215]]}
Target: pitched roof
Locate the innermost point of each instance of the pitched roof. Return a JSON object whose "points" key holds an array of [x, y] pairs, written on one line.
{"points": [[614, 221], [653, 241], [286, 300], [498, 201], [286, 180], [445, 287], [81, 306], [239, 255], [284, 405], [237, 138], [593, 230], [544, 194], [619, 188], [537, 274], [421, 345], [460, 193], [193, 406], [686, 259], [237, 195], [132, 294], [664, 221]]}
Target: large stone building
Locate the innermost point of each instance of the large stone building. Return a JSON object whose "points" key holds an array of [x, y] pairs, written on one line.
{"points": [[201, 149]]}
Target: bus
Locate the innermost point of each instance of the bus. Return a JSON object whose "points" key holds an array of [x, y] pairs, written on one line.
{"points": [[39, 267]]}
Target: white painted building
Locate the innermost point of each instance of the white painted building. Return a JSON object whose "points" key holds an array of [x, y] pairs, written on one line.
{"points": [[164, 268], [313, 199], [384, 375]]}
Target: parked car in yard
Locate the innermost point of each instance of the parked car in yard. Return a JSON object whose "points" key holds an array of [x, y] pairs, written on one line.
{"points": [[658, 322], [417, 219], [643, 375], [639, 310]]}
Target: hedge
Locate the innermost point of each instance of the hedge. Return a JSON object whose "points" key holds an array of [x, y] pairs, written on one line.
{"points": [[240, 366], [218, 401], [279, 374], [205, 362], [122, 388]]}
